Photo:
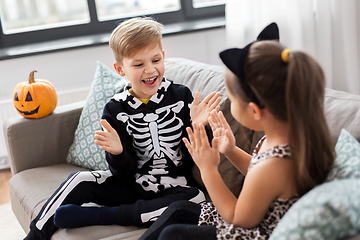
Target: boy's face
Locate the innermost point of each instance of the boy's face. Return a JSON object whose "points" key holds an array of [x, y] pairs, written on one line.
{"points": [[144, 70]]}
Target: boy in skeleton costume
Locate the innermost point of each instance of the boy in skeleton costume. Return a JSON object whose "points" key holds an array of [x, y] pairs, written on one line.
{"points": [[149, 166]]}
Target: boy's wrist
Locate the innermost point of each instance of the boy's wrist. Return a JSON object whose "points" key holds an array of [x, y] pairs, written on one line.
{"points": [[117, 153]]}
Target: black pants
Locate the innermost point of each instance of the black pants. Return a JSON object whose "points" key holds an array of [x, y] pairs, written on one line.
{"points": [[179, 222], [136, 206]]}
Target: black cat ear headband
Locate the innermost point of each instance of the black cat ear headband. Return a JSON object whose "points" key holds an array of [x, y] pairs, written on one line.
{"points": [[234, 59]]}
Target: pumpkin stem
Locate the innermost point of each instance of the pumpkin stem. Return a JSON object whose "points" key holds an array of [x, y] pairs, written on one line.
{"points": [[31, 77]]}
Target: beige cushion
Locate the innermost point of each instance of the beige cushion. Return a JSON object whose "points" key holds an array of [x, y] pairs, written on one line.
{"points": [[342, 110], [207, 78], [28, 197]]}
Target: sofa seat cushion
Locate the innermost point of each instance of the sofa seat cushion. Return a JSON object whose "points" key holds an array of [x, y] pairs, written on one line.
{"points": [[30, 189]]}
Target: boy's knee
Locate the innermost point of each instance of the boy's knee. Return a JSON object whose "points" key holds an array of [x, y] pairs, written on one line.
{"points": [[61, 216], [184, 205]]}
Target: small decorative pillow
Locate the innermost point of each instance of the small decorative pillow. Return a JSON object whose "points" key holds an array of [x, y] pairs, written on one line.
{"points": [[84, 152], [347, 162], [329, 211]]}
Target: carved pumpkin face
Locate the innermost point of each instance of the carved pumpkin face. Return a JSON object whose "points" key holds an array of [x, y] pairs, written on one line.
{"points": [[34, 99]]}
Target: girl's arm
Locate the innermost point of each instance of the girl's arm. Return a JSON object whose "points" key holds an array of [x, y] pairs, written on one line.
{"points": [[266, 181], [221, 130], [240, 159], [207, 159]]}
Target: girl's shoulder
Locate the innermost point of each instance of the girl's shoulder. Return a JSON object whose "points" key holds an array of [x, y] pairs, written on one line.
{"points": [[279, 151], [276, 175], [266, 182]]}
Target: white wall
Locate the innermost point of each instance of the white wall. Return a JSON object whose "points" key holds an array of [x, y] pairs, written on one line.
{"points": [[71, 69]]}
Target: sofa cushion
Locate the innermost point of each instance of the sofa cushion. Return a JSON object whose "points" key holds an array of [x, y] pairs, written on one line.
{"points": [[329, 211], [84, 152], [28, 197], [207, 78], [347, 161], [30, 189], [342, 111]]}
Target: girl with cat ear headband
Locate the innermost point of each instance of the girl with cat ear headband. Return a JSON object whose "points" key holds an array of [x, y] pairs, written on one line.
{"points": [[280, 93]]}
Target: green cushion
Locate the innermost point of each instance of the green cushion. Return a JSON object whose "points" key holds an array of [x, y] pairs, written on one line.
{"points": [[347, 162], [329, 211], [84, 152]]}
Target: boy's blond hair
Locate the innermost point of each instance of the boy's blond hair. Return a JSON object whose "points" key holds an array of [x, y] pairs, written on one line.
{"points": [[134, 34]]}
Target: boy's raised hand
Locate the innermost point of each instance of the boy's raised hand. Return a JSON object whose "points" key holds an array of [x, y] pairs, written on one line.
{"points": [[222, 131], [199, 112], [108, 139]]}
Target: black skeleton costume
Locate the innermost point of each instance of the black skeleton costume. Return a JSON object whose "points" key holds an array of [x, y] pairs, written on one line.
{"points": [[152, 133], [153, 170]]}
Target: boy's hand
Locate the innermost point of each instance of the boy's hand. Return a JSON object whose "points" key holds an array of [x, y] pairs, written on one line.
{"points": [[108, 139], [206, 157], [199, 113], [222, 131]]}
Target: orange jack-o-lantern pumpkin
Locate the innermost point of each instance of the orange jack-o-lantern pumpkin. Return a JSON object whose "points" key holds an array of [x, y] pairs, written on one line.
{"points": [[34, 99]]}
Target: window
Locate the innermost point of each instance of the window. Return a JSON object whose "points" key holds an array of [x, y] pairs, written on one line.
{"points": [[24, 22], [24, 16], [207, 3], [117, 9]]}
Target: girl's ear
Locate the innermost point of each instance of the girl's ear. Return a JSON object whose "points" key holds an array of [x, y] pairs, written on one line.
{"points": [[119, 69], [256, 111]]}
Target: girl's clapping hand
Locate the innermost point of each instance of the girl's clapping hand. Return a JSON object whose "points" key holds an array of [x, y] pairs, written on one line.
{"points": [[204, 155], [222, 131]]}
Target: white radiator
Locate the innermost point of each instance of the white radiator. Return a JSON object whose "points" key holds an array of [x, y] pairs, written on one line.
{"points": [[7, 110]]}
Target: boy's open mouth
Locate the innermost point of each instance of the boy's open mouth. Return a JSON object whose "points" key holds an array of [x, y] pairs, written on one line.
{"points": [[150, 82]]}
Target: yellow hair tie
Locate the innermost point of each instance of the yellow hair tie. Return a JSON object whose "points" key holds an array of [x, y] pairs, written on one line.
{"points": [[285, 55]]}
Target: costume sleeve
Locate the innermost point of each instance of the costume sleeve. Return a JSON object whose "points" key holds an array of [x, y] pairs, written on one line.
{"points": [[188, 99], [122, 165]]}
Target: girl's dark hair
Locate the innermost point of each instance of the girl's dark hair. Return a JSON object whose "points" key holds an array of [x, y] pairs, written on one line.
{"points": [[293, 92]]}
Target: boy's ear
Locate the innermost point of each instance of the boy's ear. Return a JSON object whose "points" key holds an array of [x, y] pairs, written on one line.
{"points": [[119, 69]]}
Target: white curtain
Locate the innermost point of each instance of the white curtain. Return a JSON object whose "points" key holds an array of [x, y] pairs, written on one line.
{"points": [[329, 30]]}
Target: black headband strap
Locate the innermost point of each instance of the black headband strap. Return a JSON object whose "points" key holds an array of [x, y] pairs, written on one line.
{"points": [[234, 59]]}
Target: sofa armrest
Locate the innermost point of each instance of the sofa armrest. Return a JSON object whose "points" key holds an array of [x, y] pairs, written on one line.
{"points": [[41, 142]]}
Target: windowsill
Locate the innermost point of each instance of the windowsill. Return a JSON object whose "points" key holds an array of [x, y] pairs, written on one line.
{"points": [[100, 39]]}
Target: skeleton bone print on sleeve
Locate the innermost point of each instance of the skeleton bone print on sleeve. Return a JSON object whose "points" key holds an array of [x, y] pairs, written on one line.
{"points": [[157, 138]]}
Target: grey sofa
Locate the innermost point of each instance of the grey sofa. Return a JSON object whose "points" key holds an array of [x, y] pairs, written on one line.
{"points": [[38, 148]]}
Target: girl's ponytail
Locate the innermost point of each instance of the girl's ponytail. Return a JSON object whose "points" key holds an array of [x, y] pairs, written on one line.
{"points": [[309, 136], [291, 86]]}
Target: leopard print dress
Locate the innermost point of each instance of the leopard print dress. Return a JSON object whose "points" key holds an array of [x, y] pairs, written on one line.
{"points": [[224, 230]]}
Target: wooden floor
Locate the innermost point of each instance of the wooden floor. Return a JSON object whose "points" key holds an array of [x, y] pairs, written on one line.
{"points": [[5, 176]]}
